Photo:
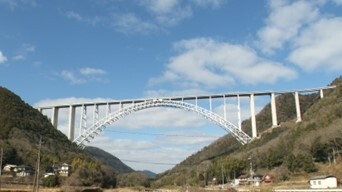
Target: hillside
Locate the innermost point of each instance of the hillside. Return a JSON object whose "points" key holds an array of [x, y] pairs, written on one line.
{"points": [[291, 149], [108, 159], [22, 127]]}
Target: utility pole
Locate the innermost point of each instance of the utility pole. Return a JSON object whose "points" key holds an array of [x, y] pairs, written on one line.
{"points": [[222, 174], [36, 178], [2, 152], [251, 172], [334, 156]]}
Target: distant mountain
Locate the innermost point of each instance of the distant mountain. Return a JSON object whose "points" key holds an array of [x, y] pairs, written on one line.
{"points": [[114, 162], [149, 174], [108, 159]]}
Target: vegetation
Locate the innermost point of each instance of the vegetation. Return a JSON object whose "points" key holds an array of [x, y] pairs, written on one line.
{"points": [[284, 151], [22, 127], [108, 159], [134, 179]]}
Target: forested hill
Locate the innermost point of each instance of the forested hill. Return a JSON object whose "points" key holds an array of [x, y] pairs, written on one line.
{"points": [[284, 151], [109, 159], [21, 130], [21, 127]]}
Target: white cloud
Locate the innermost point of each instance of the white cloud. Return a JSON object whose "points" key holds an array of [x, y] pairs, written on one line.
{"points": [[137, 153], [92, 71], [87, 20], [19, 57], [167, 12], [3, 58], [171, 12], [207, 63], [160, 6], [152, 15], [70, 76], [74, 15], [338, 2], [210, 3], [84, 75], [16, 3], [130, 23], [319, 46], [23, 51], [156, 117], [188, 138], [284, 22]]}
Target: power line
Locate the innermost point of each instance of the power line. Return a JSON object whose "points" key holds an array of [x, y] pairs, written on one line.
{"points": [[161, 134]]}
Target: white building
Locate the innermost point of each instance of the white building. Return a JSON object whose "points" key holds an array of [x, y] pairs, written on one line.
{"points": [[323, 182]]}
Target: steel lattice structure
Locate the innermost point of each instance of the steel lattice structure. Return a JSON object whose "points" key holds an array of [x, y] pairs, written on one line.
{"points": [[92, 131]]}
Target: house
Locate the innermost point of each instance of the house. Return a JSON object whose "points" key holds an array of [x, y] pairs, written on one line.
{"points": [[8, 167], [323, 182], [248, 179], [23, 170], [18, 170], [62, 169], [267, 179]]}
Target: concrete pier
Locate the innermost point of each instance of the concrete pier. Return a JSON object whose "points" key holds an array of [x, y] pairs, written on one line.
{"points": [[274, 111], [299, 115], [253, 119], [54, 117], [71, 128]]}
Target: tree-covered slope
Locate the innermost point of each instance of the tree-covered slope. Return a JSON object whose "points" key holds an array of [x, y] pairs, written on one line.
{"points": [[21, 130], [293, 147], [108, 159]]}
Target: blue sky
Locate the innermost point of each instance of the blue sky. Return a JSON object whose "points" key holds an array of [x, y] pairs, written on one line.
{"points": [[71, 51]]}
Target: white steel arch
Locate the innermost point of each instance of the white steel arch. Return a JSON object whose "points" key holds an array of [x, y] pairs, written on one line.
{"points": [[91, 132]]}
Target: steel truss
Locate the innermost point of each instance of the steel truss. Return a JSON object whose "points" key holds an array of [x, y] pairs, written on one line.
{"points": [[94, 130]]}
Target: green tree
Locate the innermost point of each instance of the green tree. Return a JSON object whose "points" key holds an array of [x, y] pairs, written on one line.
{"points": [[203, 170], [51, 181], [228, 168], [134, 179], [300, 163], [320, 151]]}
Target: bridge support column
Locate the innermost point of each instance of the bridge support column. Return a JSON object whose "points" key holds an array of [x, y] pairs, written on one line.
{"points": [[253, 120], [299, 116], [239, 112], [71, 129], [54, 117], [274, 111], [321, 93]]}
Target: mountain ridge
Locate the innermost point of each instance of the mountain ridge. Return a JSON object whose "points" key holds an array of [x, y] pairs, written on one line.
{"points": [[270, 151]]}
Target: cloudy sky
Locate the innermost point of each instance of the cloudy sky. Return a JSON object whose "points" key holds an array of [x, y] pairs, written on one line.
{"points": [[79, 51]]}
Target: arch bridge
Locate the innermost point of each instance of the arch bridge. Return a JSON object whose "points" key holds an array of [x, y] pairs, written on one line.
{"points": [[126, 107]]}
